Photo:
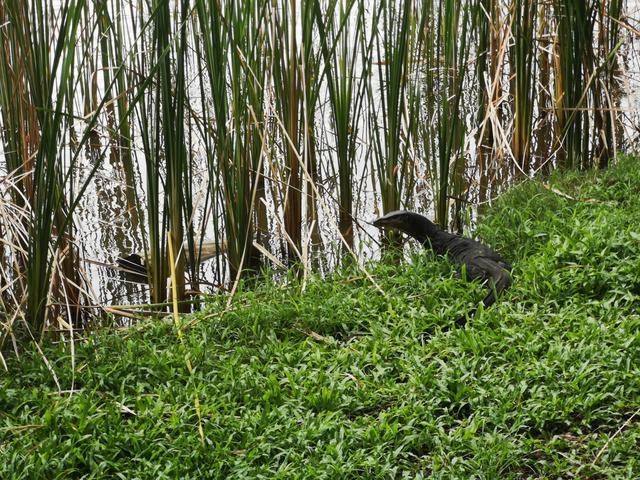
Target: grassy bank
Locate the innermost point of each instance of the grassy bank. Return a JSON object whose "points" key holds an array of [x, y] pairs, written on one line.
{"points": [[339, 382]]}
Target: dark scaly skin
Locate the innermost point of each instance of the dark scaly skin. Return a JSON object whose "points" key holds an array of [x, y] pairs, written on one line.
{"points": [[479, 261]]}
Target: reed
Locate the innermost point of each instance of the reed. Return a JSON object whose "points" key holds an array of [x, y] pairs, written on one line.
{"points": [[607, 88], [524, 87], [149, 128], [172, 93], [450, 64], [284, 51], [392, 25], [341, 31], [486, 18], [574, 62], [544, 131], [112, 31], [234, 37], [42, 50], [212, 58]]}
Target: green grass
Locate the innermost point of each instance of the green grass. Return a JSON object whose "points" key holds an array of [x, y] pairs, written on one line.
{"points": [[544, 384]]}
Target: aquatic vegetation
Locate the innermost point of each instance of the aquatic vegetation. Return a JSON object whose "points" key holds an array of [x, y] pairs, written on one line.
{"points": [[276, 127]]}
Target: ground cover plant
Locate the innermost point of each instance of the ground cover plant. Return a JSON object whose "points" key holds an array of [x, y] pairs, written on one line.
{"points": [[342, 381]]}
